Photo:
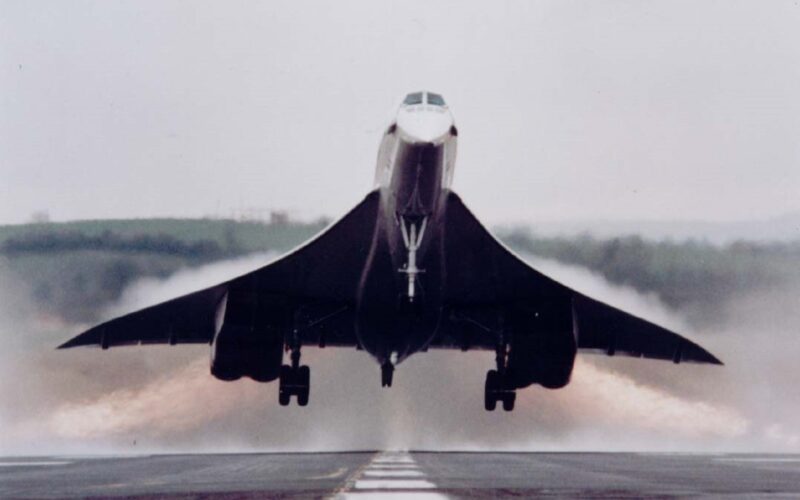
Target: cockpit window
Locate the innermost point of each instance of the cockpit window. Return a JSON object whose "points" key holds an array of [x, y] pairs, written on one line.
{"points": [[413, 98], [435, 99]]}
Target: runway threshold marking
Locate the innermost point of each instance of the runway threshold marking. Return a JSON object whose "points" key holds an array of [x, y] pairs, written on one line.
{"points": [[390, 475]]}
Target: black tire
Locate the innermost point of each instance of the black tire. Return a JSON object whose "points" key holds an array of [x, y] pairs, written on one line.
{"points": [[508, 401], [490, 390], [302, 396], [492, 380], [304, 377], [303, 385], [284, 392]]}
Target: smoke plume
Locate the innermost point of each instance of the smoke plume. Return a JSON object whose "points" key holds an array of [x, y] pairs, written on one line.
{"points": [[161, 398]]}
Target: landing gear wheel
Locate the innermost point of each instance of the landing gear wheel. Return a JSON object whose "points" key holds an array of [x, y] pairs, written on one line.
{"points": [[284, 391], [508, 401], [490, 390], [294, 382], [302, 397], [304, 376], [498, 389], [304, 383], [489, 402]]}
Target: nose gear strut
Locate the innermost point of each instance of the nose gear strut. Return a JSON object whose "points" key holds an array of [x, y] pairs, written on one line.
{"points": [[387, 370], [412, 238]]}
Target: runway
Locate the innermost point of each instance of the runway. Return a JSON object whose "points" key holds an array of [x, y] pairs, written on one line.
{"points": [[414, 475]]}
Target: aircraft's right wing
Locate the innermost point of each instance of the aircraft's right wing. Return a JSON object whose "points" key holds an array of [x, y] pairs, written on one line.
{"points": [[316, 283], [188, 319], [484, 277]]}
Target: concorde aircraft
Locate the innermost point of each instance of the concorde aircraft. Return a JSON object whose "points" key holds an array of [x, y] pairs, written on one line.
{"points": [[408, 269]]}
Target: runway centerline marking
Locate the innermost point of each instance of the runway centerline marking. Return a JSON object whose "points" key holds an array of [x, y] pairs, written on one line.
{"points": [[390, 475], [398, 460], [393, 467], [393, 484]]}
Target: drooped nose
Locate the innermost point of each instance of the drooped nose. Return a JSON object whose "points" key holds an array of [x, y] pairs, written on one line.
{"points": [[424, 124]]}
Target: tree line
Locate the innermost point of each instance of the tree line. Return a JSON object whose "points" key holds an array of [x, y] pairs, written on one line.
{"points": [[690, 274], [70, 241]]}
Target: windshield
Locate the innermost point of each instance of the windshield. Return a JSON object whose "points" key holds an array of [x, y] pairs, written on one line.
{"points": [[435, 99], [413, 98]]}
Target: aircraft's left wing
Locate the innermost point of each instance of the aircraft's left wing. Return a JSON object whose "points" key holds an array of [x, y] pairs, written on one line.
{"points": [[486, 281], [317, 282], [603, 329]]}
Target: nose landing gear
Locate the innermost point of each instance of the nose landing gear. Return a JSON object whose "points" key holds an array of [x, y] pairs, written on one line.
{"points": [[295, 380], [412, 238], [387, 371]]}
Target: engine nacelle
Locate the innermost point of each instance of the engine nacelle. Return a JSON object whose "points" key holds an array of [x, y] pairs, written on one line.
{"points": [[239, 352], [543, 346], [248, 341]]}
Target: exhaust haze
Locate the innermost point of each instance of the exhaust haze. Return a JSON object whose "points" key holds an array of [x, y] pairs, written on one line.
{"points": [[164, 399]]}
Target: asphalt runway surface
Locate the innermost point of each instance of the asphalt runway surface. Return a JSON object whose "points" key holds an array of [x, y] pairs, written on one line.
{"points": [[415, 475]]}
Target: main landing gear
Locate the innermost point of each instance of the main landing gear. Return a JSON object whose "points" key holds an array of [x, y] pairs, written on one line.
{"points": [[498, 384], [294, 381]]}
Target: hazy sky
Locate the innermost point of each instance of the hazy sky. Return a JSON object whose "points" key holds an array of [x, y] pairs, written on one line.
{"points": [[615, 109]]}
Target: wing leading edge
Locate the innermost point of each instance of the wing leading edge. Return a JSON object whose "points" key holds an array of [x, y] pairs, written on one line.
{"points": [[507, 281], [604, 329], [186, 320]]}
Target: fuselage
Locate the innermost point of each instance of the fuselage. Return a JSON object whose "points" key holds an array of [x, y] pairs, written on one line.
{"points": [[415, 166]]}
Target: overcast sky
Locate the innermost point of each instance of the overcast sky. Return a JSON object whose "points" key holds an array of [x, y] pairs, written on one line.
{"points": [[566, 110]]}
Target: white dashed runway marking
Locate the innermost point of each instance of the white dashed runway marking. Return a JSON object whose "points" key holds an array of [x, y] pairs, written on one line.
{"points": [[390, 475], [393, 484], [394, 459]]}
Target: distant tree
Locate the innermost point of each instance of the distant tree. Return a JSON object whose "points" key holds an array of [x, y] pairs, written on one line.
{"points": [[694, 276], [40, 217], [279, 218]]}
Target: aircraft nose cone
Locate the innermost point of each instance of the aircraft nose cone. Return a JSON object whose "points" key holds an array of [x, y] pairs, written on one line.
{"points": [[420, 124]]}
